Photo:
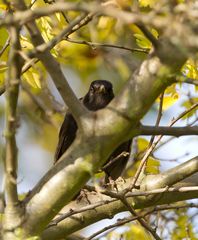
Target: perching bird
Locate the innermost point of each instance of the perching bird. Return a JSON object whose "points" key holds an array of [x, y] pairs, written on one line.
{"points": [[99, 95]]}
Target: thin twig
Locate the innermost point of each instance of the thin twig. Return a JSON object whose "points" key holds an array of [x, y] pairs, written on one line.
{"points": [[72, 212], [159, 116], [7, 43], [76, 211], [168, 131], [94, 44], [140, 220], [73, 26], [123, 221], [152, 147]]}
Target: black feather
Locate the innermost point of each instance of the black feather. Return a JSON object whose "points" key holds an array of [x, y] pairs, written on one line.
{"points": [[99, 95]]}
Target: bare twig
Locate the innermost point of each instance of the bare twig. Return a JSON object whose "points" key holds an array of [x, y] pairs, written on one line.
{"points": [[94, 44], [7, 43], [172, 131], [108, 193], [158, 116], [185, 79], [191, 81], [123, 221], [73, 26], [140, 220], [57, 75], [152, 147]]}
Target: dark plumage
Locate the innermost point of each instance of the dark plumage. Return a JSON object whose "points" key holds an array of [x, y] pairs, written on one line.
{"points": [[99, 95]]}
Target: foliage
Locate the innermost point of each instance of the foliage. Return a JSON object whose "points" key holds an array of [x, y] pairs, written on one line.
{"points": [[104, 48]]}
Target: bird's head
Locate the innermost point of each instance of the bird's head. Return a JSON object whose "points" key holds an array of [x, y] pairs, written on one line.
{"points": [[99, 95]]}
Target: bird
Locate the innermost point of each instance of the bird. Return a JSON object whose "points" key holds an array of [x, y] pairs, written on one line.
{"points": [[99, 95]]}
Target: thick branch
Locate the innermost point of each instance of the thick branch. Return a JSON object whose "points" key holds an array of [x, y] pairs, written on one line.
{"points": [[175, 174], [172, 131], [106, 129], [109, 208], [114, 124], [13, 211]]}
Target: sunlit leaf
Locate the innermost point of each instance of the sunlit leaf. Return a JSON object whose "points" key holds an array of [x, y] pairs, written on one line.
{"points": [[187, 104], [142, 41], [190, 69], [152, 166], [171, 96], [183, 228], [3, 40], [3, 68], [170, 100], [137, 232], [146, 3], [142, 144], [25, 43]]}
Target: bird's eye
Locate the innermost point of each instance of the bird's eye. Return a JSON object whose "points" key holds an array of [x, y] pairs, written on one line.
{"points": [[91, 89]]}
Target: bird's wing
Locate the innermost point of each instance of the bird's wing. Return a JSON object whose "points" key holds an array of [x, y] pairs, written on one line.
{"points": [[117, 162], [67, 135]]}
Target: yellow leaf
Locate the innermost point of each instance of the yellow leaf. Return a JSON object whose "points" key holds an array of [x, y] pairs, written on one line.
{"points": [[171, 96], [3, 7], [190, 69], [147, 3], [138, 232], [169, 100], [3, 68], [142, 41], [25, 43], [32, 77], [142, 144], [152, 166]]}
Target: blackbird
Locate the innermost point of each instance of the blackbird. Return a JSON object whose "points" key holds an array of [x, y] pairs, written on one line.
{"points": [[99, 95]]}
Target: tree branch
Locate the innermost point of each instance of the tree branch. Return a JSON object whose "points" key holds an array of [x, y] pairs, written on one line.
{"points": [[55, 71], [171, 131], [106, 45], [13, 210], [94, 150], [12, 90], [121, 222], [175, 174], [109, 207], [106, 129]]}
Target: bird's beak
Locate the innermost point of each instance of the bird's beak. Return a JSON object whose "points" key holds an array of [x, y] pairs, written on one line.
{"points": [[101, 89]]}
